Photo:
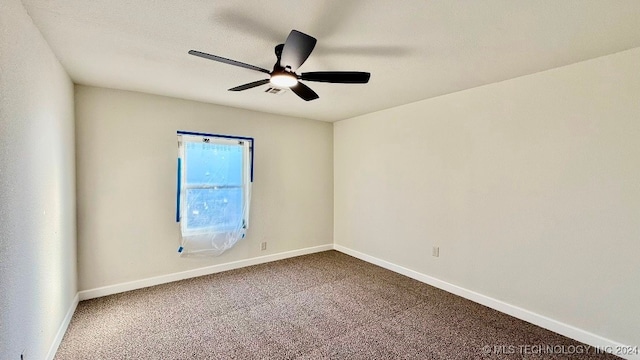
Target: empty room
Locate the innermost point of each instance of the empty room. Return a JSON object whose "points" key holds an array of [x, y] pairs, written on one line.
{"points": [[319, 179]]}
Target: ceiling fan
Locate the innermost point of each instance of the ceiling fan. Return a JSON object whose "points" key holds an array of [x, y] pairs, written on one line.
{"points": [[293, 53]]}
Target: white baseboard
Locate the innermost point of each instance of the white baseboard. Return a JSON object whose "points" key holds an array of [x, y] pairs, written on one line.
{"points": [[63, 328], [163, 279], [517, 312]]}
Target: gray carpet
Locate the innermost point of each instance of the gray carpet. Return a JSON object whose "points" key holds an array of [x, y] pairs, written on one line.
{"points": [[320, 306]]}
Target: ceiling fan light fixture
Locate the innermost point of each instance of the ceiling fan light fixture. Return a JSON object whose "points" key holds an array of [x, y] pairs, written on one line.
{"points": [[283, 79]]}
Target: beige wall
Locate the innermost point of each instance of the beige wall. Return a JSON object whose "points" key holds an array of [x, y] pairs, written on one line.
{"points": [[530, 187], [37, 189], [126, 163]]}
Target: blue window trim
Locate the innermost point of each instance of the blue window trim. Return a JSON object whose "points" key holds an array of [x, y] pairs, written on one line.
{"points": [[178, 190], [251, 148]]}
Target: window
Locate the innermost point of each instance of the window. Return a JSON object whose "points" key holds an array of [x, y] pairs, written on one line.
{"points": [[214, 178]]}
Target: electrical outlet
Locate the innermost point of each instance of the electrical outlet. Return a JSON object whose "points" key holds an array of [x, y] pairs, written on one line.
{"points": [[435, 252], [263, 246]]}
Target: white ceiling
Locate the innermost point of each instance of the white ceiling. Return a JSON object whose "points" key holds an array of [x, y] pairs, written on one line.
{"points": [[414, 49]]}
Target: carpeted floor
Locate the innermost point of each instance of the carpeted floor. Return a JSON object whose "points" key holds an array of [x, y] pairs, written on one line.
{"points": [[320, 306]]}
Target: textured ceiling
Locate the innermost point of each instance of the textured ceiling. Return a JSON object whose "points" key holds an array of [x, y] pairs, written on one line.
{"points": [[414, 49]]}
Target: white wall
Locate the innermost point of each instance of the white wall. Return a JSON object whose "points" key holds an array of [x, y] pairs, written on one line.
{"points": [[37, 189], [126, 163], [531, 188]]}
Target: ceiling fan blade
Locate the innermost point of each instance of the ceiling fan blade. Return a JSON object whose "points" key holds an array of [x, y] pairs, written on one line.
{"points": [[297, 49], [304, 91], [228, 61], [249, 85], [341, 77]]}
